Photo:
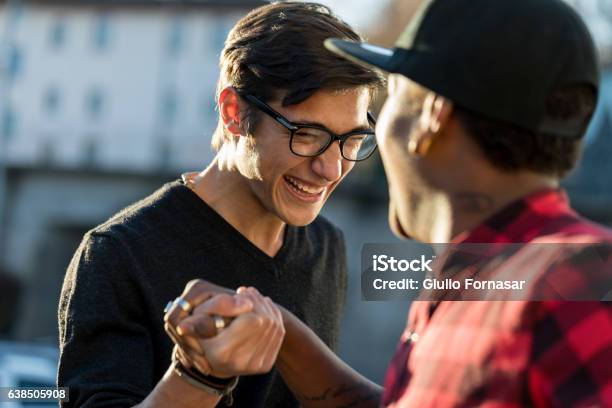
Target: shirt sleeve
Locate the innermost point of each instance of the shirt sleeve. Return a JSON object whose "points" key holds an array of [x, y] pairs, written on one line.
{"points": [[106, 356], [572, 340]]}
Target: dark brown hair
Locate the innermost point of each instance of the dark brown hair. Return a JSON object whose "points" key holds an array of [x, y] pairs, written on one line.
{"points": [[279, 47], [512, 148]]}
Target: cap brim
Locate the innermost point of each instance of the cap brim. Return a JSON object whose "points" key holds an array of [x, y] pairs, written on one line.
{"points": [[362, 53]]}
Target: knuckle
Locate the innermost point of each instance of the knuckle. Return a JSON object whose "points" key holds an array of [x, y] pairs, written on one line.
{"points": [[194, 282], [170, 319], [170, 330], [252, 319], [218, 303], [224, 299], [279, 323]]}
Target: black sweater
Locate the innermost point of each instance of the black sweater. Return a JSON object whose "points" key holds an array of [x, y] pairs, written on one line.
{"points": [[112, 342]]}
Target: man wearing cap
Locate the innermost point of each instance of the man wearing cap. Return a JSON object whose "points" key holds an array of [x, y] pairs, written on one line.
{"points": [[488, 102]]}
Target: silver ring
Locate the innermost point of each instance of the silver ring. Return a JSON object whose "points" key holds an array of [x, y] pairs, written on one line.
{"points": [[183, 304], [168, 306], [219, 323]]}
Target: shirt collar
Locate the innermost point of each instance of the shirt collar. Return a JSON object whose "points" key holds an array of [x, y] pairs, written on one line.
{"points": [[521, 220]]}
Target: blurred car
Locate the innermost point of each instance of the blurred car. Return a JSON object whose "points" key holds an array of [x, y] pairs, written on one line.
{"points": [[27, 365]]}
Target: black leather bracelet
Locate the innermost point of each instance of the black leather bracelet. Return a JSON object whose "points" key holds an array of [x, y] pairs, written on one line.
{"points": [[221, 387], [209, 379]]}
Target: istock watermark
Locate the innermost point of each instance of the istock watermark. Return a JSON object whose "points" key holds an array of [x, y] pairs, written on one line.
{"points": [[523, 272], [382, 263]]}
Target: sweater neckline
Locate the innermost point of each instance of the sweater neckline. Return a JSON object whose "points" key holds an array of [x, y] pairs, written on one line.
{"points": [[211, 216]]}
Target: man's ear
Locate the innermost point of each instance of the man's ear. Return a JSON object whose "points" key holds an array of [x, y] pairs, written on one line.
{"points": [[434, 119], [229, 107], [437, 111]]}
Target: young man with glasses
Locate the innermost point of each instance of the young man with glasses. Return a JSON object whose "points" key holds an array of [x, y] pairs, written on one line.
{"points": [[293, 121]]}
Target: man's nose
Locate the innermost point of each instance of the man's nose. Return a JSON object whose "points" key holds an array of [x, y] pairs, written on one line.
{"points": [[329, 164]]}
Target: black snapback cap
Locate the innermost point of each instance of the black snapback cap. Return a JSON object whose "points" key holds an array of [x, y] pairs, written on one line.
{"points": [[499, 58]]}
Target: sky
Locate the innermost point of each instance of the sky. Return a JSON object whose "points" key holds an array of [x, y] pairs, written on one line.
{"points": [[359, 13], [598, 16], [363, 13]]}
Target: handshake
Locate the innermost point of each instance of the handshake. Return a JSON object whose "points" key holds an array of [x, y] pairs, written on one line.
{"points": [[221, 334]]}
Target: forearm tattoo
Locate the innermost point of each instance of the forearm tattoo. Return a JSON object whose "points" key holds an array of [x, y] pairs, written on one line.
{"points": [[355, 396]]}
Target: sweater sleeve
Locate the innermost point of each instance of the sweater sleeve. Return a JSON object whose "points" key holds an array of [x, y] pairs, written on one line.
{"points": [[106, 353]]}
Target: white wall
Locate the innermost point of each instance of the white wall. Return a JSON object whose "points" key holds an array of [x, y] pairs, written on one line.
{"points": [[132, 73]]}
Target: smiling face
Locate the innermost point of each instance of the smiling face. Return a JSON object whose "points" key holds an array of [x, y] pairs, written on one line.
{"points": [[295, 188], [397, 124]]}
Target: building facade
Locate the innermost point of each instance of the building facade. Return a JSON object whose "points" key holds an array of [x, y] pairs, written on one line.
{"points": [[100, 103]]}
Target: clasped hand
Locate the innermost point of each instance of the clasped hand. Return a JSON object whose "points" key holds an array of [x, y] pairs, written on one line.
{"points": [[250, 342]]}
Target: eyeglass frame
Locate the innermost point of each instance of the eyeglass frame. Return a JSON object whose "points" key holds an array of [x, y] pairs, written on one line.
{"points": [[293, 127]]}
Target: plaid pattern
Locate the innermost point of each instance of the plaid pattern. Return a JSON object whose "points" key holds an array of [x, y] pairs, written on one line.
{"points": [[512, 354]]}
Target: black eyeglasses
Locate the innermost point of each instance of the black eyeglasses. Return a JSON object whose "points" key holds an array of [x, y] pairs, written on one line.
{"points": [[312, 140]]}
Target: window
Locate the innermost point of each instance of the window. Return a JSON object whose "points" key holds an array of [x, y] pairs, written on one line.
{"points": [[57, 35], [94, 103], [15, 62], [101, 32], [90, 150], [9, 123], [176, 34], [51, 100]]}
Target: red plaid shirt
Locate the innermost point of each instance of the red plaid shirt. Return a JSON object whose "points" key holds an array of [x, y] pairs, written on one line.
{"points": [[510, 353]]}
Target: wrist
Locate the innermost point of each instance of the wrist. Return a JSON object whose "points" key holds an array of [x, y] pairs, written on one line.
{"points": [[215, 386], [173, 391]]}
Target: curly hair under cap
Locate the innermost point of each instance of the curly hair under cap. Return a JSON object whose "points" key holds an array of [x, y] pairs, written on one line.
{"points": [[511, 148]]}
